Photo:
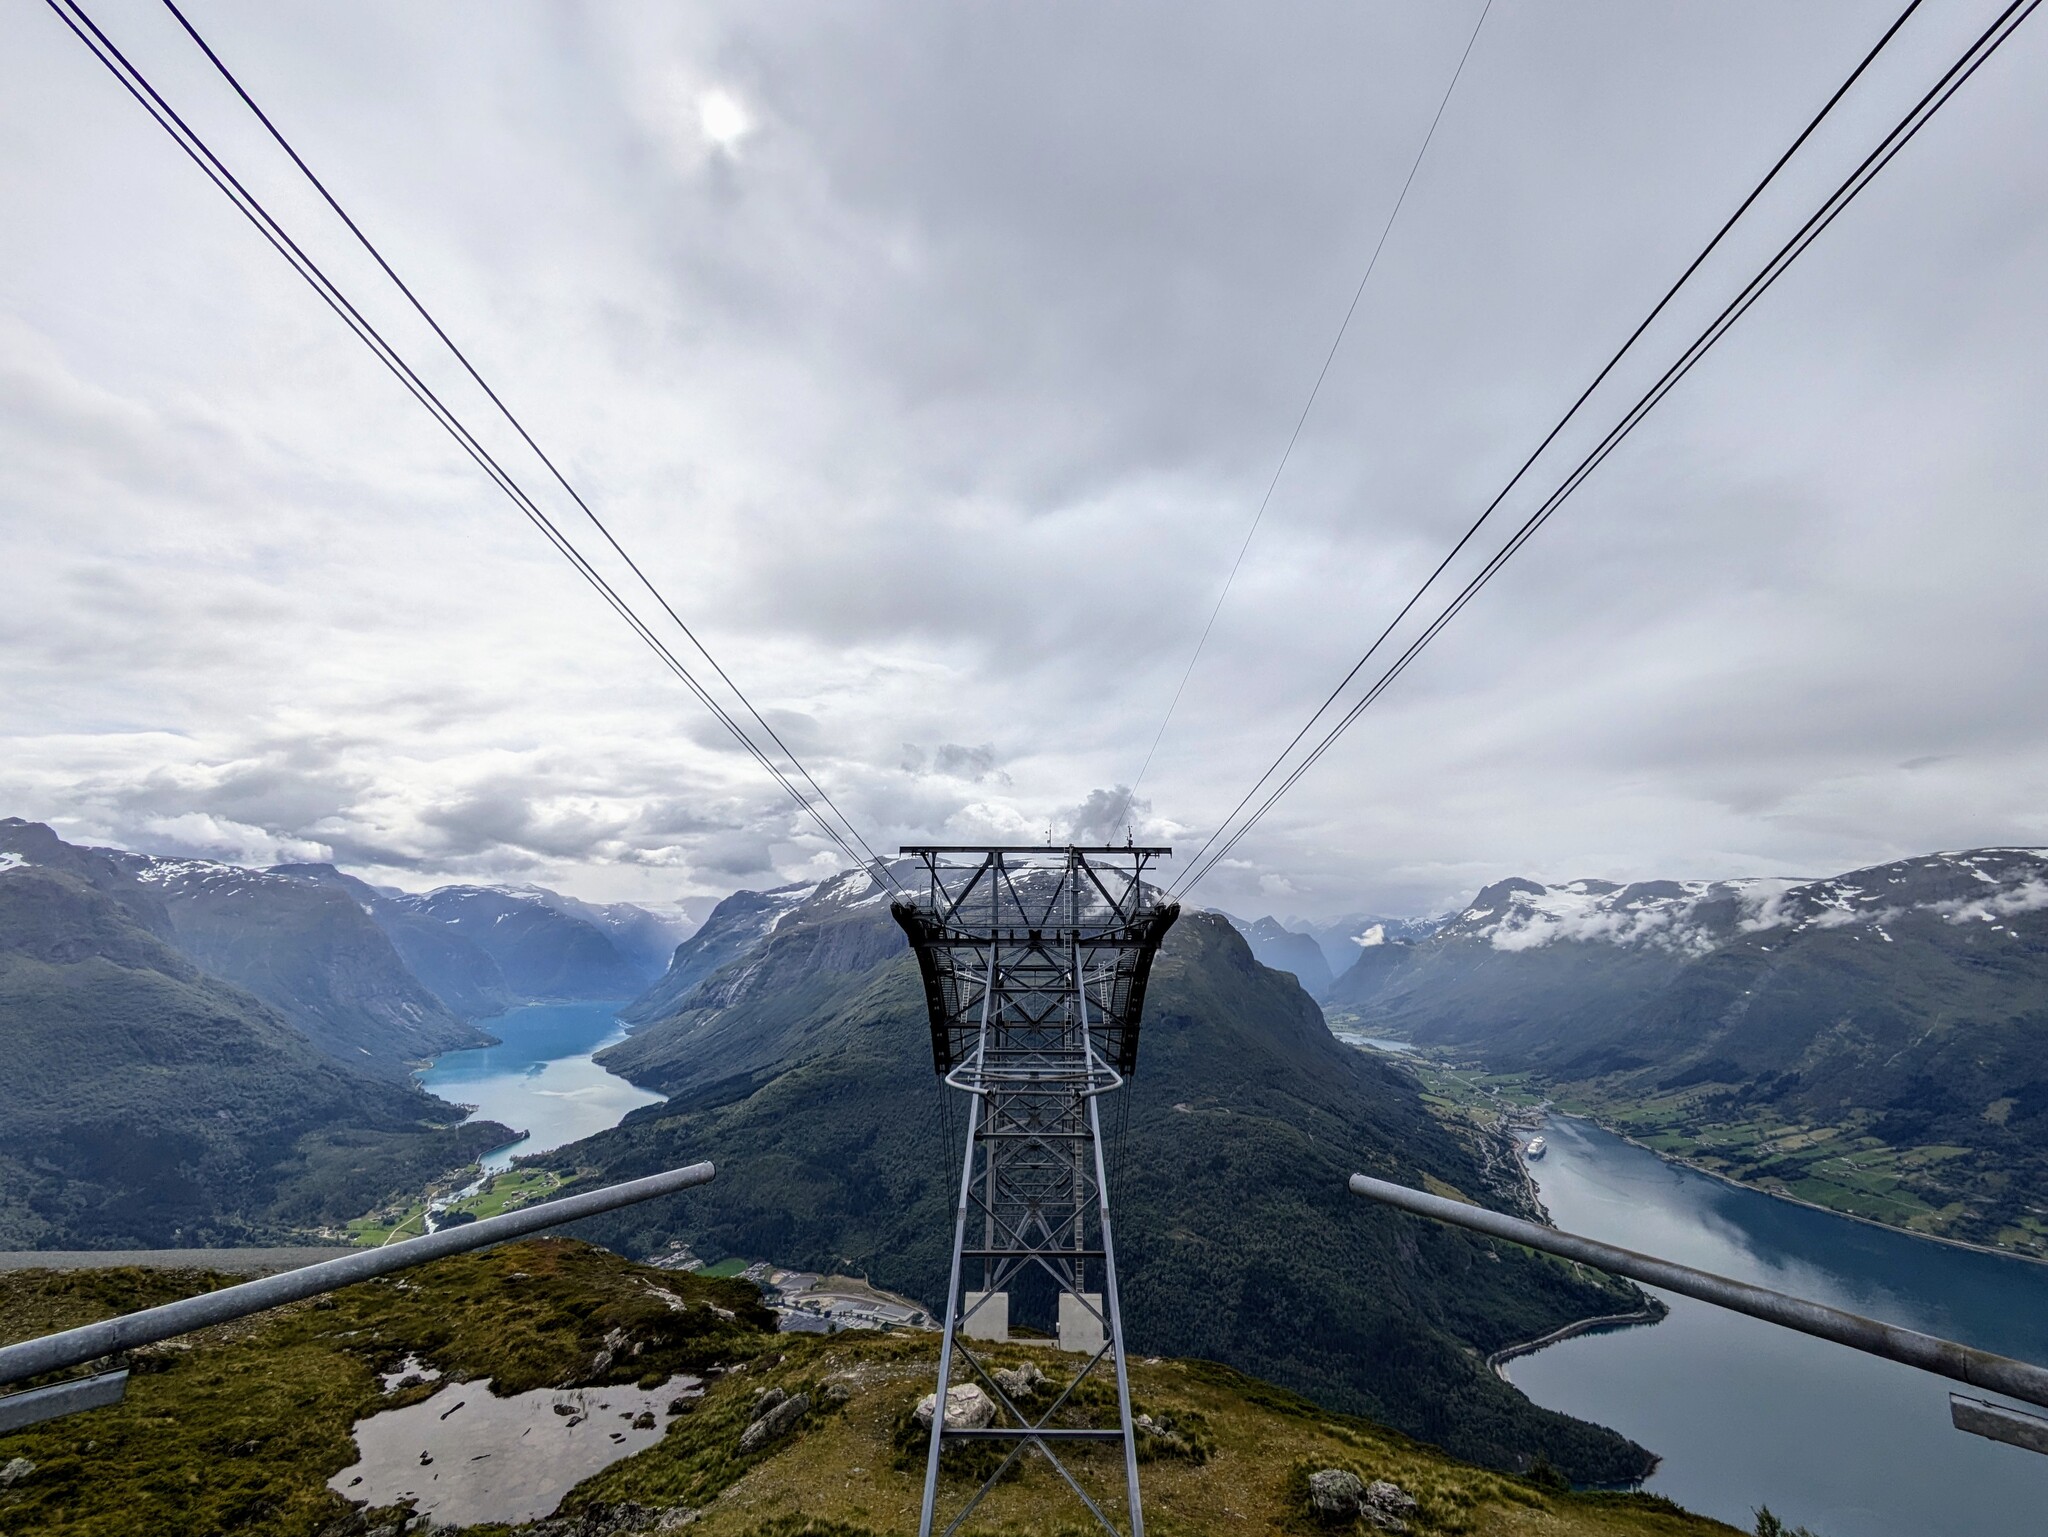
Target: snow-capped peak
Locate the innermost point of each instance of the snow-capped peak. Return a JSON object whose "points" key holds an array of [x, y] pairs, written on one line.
{"points": [[1695, 917]]}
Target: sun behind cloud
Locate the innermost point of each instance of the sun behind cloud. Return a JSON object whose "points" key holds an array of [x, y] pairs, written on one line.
{"points": [[723, 118]]}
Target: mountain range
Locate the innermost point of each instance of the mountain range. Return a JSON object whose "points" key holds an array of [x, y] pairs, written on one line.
{"points": [[1317, 953], [1875, 1041], [201, 1052], [801, 1064]]}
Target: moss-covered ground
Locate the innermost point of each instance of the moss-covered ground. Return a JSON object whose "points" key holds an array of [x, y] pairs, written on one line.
{"points": [[236, 1430], [1238, 1460]]}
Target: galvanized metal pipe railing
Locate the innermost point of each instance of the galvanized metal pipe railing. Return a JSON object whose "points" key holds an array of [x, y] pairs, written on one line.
{"points": [[91, 1342], [1945, 1358]]}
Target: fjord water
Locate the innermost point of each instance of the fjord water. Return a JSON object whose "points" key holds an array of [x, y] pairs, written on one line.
{"points": [[540, 1078], [1746, 1414]]}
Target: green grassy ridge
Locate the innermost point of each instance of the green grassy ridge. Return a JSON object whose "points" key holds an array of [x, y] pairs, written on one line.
{"points": [[1237, 1237], [237, 1429], [854, 1468]]}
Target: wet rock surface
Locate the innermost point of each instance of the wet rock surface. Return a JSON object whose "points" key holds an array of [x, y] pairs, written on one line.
{"points": [[625, 1520]]}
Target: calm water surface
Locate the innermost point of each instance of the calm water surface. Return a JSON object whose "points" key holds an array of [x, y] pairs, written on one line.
{"points": [[539, 1079], [1745, 1414]]}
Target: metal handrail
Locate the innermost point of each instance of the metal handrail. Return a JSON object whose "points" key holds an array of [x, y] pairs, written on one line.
{"points": [[73, 1347], [1928, 1352]]}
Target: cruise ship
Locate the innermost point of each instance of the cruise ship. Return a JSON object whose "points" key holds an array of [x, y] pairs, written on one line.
{"points": [[1535, 1148]]}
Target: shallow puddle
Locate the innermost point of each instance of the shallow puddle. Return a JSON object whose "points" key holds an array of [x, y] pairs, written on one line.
{"points": [[466, 1457]]}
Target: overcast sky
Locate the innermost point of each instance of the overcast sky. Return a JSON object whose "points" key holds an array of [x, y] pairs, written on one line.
{"points": [[934, 358]]}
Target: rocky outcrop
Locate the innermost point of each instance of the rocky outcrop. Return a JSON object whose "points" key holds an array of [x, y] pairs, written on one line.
{"points": [[1337, 1496], [774, 1417], [967, 1408], [1021, 1381], [624, 1520]]}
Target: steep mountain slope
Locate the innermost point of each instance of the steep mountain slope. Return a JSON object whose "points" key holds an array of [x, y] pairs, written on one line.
{"points": [[645, 936], [450, 966], [302, 945], [1284, 949], [752, 1016], [149, 1103], [735, 926], [1341, 938], [310, 951], [540, 951], [803, 1068], [1877, 1041]]}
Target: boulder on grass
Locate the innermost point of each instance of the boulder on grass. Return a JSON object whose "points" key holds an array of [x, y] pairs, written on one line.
{"points": [[967, 1408], [1334, 1495], [1386, 1505], [777, 1422]]}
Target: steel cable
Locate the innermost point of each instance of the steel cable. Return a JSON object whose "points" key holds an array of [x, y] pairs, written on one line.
{"points": [[137, 84], [1300, 421], [517, 426], [1903, 132]]}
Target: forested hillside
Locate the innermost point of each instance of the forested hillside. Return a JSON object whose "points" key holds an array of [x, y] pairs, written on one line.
{"points": [[148, 1103]]}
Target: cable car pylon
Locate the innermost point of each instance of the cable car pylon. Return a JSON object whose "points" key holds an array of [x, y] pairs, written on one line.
{"points": [[1035, 961]]}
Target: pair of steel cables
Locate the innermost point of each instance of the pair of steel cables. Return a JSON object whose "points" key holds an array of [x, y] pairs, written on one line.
{"points": [[1287, 767], [817, 804]]}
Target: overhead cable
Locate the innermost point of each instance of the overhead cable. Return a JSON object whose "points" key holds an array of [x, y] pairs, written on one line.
{"points": [[517, 426], [1571, 412], [137, 84], [1917, 117], [1301, 421]]}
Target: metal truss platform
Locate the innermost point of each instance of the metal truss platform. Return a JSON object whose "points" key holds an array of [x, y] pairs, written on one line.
{"points": [[1034, 963]]}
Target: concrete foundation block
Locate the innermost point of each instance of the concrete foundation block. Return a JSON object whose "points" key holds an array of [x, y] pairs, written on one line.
{"points": [[1080, 1330], [990, 1320]]}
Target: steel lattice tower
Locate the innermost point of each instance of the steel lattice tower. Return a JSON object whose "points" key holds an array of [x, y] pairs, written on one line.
{"points": [[1035, 962]]}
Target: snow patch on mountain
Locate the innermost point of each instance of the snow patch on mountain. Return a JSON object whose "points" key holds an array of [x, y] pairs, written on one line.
{"points": [[192, 874], [1659, 914], [2029, 896], [1693, 918]]}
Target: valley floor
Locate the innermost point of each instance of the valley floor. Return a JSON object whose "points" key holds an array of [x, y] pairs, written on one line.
{"points": [[1932, 1191]]}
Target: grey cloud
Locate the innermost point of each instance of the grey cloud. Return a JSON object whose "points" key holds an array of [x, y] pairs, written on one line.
{"points": [[940, 402], [1105, 816]]}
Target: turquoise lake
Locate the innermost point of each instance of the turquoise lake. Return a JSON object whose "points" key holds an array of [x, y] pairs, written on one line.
{"points": [[539, 1079], [1747, 1414]]}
